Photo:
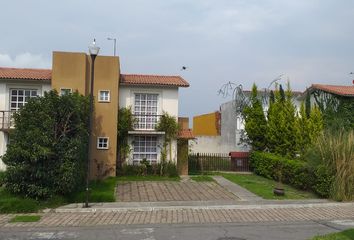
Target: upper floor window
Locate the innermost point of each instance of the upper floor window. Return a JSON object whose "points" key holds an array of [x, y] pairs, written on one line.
{"points": [[104, 96], [19, 97], [102, 143], [145, 110], [65, 91]]}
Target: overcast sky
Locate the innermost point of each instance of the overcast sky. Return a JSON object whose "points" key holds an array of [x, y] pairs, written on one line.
{"points": [[242, 41]]}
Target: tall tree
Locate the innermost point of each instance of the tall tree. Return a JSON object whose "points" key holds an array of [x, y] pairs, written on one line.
{"points": [[255, 122]]}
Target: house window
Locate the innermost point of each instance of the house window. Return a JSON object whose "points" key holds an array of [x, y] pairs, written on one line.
{"points": [[145, 147], [145, 109], [19, 97], [104, 96], [102, 143], [65, 91]]}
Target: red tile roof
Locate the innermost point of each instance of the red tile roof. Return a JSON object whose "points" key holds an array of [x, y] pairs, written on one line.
{"points": [[185, 134], [25, 73], [157, 80], [338, 90], [126, 79]]}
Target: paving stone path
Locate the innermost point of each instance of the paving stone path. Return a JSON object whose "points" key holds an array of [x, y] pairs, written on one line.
{"points": [[146, 191], [189, 216]]}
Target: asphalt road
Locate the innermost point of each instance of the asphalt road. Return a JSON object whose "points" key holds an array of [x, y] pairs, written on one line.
{"points": [[268, 231]]}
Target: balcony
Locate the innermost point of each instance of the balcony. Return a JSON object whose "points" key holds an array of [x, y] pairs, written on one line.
{"points": [[145, 124], [146, 121], [6, 121]]}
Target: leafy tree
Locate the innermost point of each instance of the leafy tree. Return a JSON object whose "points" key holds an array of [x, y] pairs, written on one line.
{"points": [[126, 123], [255, 122], [47, 154]]}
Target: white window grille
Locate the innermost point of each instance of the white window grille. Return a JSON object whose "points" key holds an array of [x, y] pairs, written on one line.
{"points": [[145, 147], [145, 110], [104, 96], [102, 143], [19, 97]]}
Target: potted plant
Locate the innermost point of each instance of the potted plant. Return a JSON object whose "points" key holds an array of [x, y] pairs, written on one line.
{"points": [[279, 188]]}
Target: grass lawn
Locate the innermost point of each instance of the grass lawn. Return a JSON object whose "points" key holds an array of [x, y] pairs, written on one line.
{"points": [[263, 187], [100, 191], [10, 203], [25, 218], [202, 178], [344, 235]]}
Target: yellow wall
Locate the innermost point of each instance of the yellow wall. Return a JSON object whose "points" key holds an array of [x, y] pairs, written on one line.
{"points": [[73, 70], [69, 71], [105, 114], [206, 125]]}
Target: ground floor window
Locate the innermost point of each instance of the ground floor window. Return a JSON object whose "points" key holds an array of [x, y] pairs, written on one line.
{"points": [[145, 147]]}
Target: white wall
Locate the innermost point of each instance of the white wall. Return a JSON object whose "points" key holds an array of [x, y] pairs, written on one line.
{"points": [[167, 102], [5, 86]]}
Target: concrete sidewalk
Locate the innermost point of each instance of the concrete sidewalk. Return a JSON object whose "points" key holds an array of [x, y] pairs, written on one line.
{"points": [[230, 214]]}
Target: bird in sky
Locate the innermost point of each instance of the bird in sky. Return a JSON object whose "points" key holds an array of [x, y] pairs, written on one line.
{"points": [[184, 68]]}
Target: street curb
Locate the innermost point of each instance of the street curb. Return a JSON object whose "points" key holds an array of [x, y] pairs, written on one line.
{"points": [[215, 207]]}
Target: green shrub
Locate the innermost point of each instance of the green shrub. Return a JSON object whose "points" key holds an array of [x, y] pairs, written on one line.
{"points": [[293, 172], [2, 175], [324, 181], [171, 170], [48, 148], [145, 168], [332, 157]]}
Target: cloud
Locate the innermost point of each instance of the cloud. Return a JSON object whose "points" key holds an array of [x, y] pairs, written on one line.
{"points": [[24, 60]]}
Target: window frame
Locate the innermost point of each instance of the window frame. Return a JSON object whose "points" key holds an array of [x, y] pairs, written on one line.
{"points": [[23, 96], [102, 147], [145, 146], [147, 109], [103, 100], [70, 91]]}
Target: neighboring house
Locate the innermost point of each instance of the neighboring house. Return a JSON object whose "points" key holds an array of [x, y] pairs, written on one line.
{"points": [[17, 86], [221, 131], [148, 95], [320, 93]]}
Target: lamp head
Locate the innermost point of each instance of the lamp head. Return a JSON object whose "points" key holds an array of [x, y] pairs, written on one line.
{"points": [[93, 49]]}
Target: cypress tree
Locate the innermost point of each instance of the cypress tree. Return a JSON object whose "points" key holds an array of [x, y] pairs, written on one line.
{"points": [[255, 122]]}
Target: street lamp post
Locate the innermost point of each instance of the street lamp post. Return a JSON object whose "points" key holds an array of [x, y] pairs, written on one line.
{"points": [[115, 44], [93, 49]]}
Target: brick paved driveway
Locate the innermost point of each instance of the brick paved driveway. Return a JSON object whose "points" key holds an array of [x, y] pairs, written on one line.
{"points": [[146, 191]]}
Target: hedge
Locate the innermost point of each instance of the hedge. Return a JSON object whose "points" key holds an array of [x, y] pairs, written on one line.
{"points": [[293, 172]]}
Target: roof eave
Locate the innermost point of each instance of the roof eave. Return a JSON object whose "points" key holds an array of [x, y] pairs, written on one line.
{"points": [[153, 85]]}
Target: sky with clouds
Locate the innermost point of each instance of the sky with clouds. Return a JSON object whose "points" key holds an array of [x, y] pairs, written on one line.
{"points": [[241, 41]]}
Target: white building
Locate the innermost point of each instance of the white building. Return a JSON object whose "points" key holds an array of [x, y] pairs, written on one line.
{"points": [[148, 95], [227, 135]]}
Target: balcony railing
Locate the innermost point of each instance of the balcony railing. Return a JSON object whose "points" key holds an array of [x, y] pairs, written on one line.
{"points": [[6, 120], [146, 121]]}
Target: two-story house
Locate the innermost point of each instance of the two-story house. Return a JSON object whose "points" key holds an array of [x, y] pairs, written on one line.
{"points": [[148, 96], [17, 86]]}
